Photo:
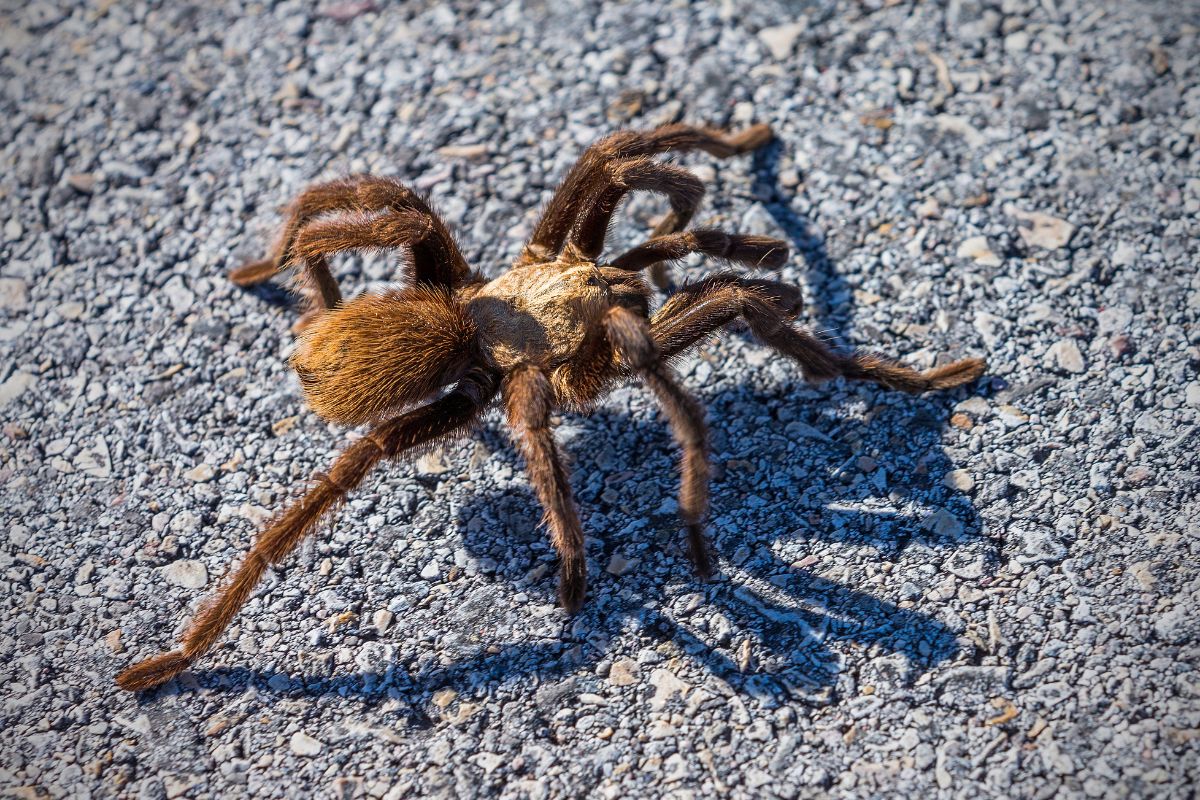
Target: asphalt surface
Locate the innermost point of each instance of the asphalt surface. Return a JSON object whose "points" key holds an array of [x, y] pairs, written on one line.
{"points": [[990, 592]]}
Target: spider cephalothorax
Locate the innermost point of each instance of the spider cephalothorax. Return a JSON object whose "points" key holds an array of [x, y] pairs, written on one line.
{"points": [[423, 362]]}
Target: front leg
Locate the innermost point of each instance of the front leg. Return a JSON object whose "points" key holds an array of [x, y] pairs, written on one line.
{"points": [[528, 399]]}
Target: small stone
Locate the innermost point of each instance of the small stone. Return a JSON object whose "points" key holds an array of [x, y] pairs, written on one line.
{"points": [[431, 571], [179, 295], [618, 565], [201, 473], [463, 151], [781, 39], [95, 460], [113, 640], [1124, 255], [1120, 345], [281, 427], [304, 745], [1179, 625], [962, 421], [806, 562], [965, 565], [444, 697], [1064, 355], [1114, 319], [1016, 42], [1138, 475], [960, 126], [989, 326], [187, 573], [959, 480], [968, 82], [666, 685], [15, 432], [1044, 231], [623, 672], [1142, 574], [1039, 546], [488, 762], [14, 387], [929, 209], [191, 134], [745, 659], [70, 310], [82, 182], [942, 523], [344, 12], [14, 294], [976, 248], [382, 619], [13, 229], [431, 463], [1011, 416], [1191, 395]]}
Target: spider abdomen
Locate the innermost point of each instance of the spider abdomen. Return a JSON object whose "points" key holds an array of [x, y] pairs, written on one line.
{"points": [[379, 352]]}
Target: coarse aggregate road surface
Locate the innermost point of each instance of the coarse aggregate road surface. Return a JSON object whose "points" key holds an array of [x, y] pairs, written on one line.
{"points": [[986, 593]]}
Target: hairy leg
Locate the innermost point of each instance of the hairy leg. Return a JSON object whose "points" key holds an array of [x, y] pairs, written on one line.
{"points": [[682, 188], [710, 304], [435, 258], [632, 340], [442, 418], [588, 175], [528, 399], [756, 252]]}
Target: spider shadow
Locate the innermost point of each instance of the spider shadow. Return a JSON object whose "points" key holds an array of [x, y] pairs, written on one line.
{"points": [[789, 614], [797, 623], [829, 311]]}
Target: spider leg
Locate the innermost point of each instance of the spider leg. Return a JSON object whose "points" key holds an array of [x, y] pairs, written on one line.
{"points": [[682, 188], [314, 201], [445, 417], [632, 340], [435, 258], [756, 252], [589, 175], [528, 399], [708, 305]]}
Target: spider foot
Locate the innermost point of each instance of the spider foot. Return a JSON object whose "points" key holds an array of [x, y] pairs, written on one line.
{"points": [[153, 672], [698, 552], [572, 584], [955, 374], [252, 273]]}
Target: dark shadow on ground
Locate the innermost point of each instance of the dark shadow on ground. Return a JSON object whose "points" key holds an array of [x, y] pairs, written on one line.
{"points": [[830, 310], [795, 621]]}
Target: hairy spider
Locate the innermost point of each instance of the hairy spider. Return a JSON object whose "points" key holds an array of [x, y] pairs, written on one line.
{"points": [[422, 363]]}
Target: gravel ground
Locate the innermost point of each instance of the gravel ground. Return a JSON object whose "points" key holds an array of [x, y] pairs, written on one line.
{"points": [[985, 593]]}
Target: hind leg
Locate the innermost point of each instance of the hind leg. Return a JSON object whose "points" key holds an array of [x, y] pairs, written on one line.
{"points": [[711, 304]]}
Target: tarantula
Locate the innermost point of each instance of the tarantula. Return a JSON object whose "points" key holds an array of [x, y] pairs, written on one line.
{"points": [[422, 363]]}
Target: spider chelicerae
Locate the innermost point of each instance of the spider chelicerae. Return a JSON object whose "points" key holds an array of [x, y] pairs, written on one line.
{"points": [[421, 363]]}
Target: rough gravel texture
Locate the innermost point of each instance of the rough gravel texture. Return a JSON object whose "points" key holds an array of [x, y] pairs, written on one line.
{"points": [[987, 593]]}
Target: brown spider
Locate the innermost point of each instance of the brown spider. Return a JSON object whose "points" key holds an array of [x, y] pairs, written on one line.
{"points": [[557, 330]]}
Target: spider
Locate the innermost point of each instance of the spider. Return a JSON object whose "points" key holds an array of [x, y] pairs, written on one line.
{"points": [[423, 362]]}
